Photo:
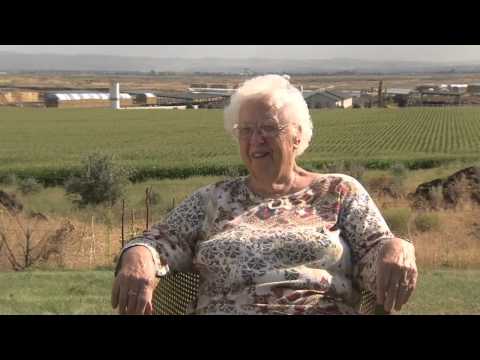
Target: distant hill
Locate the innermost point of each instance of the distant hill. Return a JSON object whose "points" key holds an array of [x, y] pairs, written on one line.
{"points": [[10, 61]]}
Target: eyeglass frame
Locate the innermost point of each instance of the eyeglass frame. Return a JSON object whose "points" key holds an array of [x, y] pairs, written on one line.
{"points": [[261, 130]]}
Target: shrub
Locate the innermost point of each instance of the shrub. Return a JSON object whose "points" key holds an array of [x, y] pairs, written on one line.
{"points": [[427, 222], [399, 173], [101, 180], [383, 185], [357, 171], [154, 197], [232, 172], [336, 167], [378, 164], [29, 186], [435, 195], [398, 170], [26, 247], [9, 179], [398, 220]]}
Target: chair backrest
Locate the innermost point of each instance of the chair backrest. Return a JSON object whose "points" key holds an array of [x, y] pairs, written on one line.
{"points": [[177, 292]]}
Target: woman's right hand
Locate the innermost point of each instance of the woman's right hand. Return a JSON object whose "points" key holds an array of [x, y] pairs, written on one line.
{"points": [[134, 284]]}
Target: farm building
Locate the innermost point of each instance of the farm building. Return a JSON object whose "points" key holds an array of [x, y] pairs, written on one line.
{"points": [[145, 99], [84, 100], [397, 91], [474, 88], [218, 103], [188, 98], [220, 86], [427, 87], [18, 97], [214, 91], [400, 96], [438, 98], [328, 99], [174, 98], [458, 87]]}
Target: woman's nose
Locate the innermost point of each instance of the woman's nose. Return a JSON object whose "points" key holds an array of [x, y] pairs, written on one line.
{"points": [[257, 137]]}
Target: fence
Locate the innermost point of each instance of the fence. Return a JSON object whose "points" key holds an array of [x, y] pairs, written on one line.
{"points": [[33, 241]]}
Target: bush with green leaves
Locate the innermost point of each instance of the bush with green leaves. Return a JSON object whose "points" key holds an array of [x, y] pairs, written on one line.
{"points": [[29, 186], [9, 179], [101, 180], [335, 167], [399, 172], [356, 170], [154, 197], [398, 220], [427, 222]]}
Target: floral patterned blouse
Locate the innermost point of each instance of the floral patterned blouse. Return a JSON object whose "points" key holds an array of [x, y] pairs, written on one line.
{"points": [[303, 253]]}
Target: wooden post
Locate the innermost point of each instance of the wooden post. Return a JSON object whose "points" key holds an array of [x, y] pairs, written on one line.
{"points": [[380, 94], [27, 247], [108, 251], [123, 223], [147, 201], [92, 246], [108, 247], [132, 228]]}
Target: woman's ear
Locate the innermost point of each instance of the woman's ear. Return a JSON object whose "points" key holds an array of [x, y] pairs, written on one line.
{"points": [[296, 142], [296, 137]]}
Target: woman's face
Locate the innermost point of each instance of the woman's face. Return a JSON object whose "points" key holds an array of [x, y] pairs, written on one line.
{"points": [[267, 141]]}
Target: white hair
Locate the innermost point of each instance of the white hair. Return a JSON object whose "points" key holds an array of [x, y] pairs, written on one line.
{"points": [[281, 95]]}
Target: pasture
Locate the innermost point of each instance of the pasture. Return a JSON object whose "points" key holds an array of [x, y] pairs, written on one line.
{"points": [[49, 143], [439, 291]]}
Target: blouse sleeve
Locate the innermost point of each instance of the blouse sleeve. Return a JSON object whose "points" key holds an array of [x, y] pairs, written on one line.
{"points": [[364, 228], [172, 242]]}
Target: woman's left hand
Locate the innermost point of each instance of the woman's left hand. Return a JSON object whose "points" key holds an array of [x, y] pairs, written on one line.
{"points": [[396, 274]]}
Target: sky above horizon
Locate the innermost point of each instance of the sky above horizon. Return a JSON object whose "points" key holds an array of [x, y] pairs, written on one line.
{"points": [[432, 53]]}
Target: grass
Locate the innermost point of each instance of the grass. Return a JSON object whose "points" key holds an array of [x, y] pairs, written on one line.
{"points": [[49, 143], [415, 177], [446, 292], [58, 292], [54, 202], [439, 291]]}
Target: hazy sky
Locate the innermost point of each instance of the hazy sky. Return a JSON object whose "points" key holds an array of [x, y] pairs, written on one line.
{"points": [[366, 52]]}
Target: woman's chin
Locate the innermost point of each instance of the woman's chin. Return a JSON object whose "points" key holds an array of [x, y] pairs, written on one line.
{"points": [[261, 169], [262, 159]]}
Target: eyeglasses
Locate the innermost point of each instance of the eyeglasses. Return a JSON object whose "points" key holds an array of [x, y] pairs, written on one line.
{"points": [[268, 131]]}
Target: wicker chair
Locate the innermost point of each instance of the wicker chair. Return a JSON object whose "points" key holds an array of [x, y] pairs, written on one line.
{"points": [[176, 291]]}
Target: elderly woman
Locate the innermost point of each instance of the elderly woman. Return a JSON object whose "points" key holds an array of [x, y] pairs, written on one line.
{"points": [[282, 240]]}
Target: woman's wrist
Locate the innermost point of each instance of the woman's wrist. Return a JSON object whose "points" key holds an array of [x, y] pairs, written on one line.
{"points": [[143, 251]]}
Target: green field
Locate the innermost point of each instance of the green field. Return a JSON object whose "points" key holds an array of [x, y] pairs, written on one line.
{"points": [[49, 143], [88, 292]]}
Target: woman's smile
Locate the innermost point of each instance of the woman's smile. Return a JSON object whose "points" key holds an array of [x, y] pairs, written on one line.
{"points": [[260, 154]]}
